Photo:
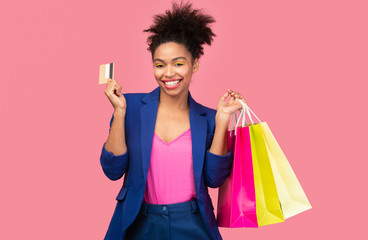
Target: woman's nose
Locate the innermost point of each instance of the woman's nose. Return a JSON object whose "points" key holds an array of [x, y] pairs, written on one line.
{"points": [[169, 71]]}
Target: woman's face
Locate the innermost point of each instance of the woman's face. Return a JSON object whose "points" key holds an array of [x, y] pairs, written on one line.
{"points": [[172, 62]]}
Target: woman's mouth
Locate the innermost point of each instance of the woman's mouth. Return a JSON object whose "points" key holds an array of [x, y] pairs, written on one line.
{"points": [[171, 84]]}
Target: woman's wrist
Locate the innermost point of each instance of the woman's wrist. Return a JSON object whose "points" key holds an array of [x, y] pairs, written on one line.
{"points": [[119, 112], [222, 119]]}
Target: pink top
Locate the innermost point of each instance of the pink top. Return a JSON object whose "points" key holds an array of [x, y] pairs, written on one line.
{"points": [[170, 175]]}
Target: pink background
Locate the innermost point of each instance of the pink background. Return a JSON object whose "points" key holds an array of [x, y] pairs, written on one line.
{"points": [[301, 65]]}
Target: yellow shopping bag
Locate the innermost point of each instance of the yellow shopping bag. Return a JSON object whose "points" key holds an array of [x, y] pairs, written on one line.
{"points": [[290, 192], [268, 205]]}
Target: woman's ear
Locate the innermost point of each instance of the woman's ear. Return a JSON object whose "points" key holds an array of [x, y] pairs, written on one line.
{"points": [[195, 65]]}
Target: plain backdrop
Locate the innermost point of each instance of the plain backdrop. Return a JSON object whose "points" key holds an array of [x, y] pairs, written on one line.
{"points": [[301, 65]]}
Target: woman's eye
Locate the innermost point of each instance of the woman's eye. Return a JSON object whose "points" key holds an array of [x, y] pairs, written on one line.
{"points": [[176, 64]]}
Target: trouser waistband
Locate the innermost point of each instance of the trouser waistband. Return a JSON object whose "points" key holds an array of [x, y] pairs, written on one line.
{"points": [[148, 208]]}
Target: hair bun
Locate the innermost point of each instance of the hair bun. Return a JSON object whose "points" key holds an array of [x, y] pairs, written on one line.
{"points": [[181, 25]]}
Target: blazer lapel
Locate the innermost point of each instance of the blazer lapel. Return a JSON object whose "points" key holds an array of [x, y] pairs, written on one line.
{"points": [[148, 114], [198, 125]]}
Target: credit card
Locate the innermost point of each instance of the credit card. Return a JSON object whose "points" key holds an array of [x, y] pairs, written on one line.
{"points": [[106, 72]]}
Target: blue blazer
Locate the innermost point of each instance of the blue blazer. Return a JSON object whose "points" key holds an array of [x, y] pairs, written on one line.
{"points": [[210, 170]]}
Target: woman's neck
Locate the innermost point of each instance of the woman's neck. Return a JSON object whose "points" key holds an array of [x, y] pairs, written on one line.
{"points": [[174, 103]]}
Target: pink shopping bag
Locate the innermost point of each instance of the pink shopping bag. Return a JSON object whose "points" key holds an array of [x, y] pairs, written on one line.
{"points": [[236, 205]]}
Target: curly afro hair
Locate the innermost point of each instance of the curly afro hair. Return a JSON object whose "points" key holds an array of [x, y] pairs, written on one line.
{"points": [[183, 26]]}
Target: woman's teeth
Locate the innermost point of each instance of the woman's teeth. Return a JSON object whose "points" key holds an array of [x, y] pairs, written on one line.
{"points": [[172, 83]]}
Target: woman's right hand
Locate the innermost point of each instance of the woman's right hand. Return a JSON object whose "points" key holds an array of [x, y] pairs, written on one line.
{"points": [[113, 92]]}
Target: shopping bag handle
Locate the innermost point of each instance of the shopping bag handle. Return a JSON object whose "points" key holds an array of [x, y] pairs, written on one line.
{"points": [[245, 110], [235, 117]]}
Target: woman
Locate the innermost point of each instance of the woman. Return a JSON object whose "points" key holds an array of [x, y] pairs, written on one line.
{"points": [[170, 147]]}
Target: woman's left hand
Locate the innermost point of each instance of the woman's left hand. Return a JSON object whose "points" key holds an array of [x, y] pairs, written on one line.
{"points": [[226, 109]]}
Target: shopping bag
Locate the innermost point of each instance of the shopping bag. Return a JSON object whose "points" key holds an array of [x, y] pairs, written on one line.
{"points": [[267, 200], [290, 193], [292, 197], [236, 205]]}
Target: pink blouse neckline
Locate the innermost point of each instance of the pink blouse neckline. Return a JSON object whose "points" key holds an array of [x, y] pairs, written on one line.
{"points": [[176, 139]]}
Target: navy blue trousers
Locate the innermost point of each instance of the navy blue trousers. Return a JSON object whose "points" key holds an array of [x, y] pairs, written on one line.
{"points": [[177, 221]]}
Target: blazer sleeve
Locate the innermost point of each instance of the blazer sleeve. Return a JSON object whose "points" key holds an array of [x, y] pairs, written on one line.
{"points": [[216, 167], [114, 166]]}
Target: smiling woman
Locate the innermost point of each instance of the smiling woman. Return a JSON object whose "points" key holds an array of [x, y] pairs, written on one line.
{"points": [[176, 46], [170, 148]]}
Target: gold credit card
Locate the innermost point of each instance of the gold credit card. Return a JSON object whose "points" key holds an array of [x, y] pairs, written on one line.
{"points": [[106, 72]]}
